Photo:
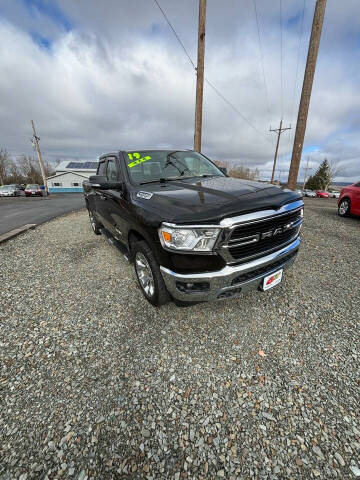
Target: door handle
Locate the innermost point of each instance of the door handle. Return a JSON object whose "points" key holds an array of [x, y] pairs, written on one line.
{"points": [[102, 197]]}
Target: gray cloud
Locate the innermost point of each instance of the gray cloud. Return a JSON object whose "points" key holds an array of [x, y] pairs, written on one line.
{"points": [[120, 80]]}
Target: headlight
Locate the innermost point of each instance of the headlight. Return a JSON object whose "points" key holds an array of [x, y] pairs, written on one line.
{"points": [[196, 239]]}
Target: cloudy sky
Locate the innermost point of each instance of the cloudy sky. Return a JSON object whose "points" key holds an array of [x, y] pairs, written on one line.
{"points": [[99, 76]]}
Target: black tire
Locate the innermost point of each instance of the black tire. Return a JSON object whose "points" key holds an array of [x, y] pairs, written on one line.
{"points": [[158, 295], [344, 208], [94, 223]]}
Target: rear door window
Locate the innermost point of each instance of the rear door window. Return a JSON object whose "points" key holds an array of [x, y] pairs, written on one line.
{"points": [[112, 170]]}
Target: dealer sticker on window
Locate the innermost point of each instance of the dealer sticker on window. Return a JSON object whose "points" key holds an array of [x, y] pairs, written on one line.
{"points": [[272, 280], [138, 158]]}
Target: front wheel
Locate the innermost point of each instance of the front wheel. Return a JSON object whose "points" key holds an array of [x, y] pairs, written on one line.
{"points": [[148, 274], [344, 208]]}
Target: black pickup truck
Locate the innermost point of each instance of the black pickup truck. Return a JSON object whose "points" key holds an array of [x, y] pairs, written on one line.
{"points": [[193, 233]]}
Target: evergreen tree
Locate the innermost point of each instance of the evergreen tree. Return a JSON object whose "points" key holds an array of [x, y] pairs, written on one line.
{"points": [[322, 178], [312, 183]]}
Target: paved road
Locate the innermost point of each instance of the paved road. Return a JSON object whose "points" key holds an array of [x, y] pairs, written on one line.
{"points": [[18, 211]]}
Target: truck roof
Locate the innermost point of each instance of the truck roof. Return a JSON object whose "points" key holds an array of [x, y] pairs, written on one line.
{"points": [[146, 149], [161, 150]]}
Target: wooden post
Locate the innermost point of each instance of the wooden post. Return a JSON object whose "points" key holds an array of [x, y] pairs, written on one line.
{"points": [[306, 170], [306, 92], [200, 76], [279, 131], [36, 140]]}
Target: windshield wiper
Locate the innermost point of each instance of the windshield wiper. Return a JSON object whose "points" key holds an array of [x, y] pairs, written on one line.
{"points": [[161, 180], [170, 162], [171, 179]]}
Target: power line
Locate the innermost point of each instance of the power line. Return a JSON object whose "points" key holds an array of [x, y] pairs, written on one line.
{"points": [[235, 109], [298, 59], [281, 62], [206, 80], [176, 35], [262, 62]]}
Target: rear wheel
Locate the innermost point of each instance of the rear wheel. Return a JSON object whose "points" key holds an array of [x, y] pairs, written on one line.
{"points": [[344, 208], [94, 224], [148, 274]]}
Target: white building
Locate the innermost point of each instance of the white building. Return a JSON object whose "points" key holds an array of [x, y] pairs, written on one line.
{"points": [[70, 175]]}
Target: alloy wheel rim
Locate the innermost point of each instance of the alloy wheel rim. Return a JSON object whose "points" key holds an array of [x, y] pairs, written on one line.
{"points": [[343, 207], [144, 274]]}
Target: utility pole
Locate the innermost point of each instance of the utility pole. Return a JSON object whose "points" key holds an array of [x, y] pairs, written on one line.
{"points": [[279, 131], [200, 76], [306, 92], [306, 170], [36, 141]]}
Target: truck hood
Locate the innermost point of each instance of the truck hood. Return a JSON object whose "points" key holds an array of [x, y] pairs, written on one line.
{"points": [[209, 199]]}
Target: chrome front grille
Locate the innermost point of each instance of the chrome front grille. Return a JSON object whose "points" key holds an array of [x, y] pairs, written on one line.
{"points": [[250, 236]]}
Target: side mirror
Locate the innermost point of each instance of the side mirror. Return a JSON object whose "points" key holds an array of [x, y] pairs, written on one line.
{"points": [[224, 170], [101, 182]]}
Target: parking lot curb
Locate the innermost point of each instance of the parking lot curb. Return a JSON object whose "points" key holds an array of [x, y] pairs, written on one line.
{"points": [[17, 231]]}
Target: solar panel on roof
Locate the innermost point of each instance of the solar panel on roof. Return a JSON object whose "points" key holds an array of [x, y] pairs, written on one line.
{"points": [[90, 165], [73, 165], [83, 165]]}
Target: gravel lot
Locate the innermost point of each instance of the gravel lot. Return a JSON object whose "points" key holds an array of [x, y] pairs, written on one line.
{"points": [[96, 383]]}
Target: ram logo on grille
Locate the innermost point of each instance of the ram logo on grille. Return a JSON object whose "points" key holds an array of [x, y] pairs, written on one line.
{"points": [[268, 234], [276, 231]]}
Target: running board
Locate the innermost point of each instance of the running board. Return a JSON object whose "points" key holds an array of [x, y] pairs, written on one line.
{"points": [[119, 246]]}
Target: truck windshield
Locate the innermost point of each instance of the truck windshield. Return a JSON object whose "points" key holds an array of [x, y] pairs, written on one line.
{"points": [[155, 165]]}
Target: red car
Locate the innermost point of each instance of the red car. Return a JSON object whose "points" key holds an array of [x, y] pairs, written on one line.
{"points": [[349, 200], [34, 190], [322, 194]]}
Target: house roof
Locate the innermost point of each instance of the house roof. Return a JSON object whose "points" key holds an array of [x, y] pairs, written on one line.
{"points": [[65, 173]]}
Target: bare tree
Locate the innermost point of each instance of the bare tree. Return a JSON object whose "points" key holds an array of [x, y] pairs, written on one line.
{"points": [[244, 172], [239, 171], [49, 169], [15, 175], [334, 171], [30, 169], [4, 165], [23, 170]]}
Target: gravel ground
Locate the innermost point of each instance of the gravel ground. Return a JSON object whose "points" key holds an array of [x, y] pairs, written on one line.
{"points": [[95, 383]]}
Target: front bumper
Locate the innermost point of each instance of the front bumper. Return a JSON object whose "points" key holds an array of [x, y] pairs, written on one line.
{"points": [[231, 280]]}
